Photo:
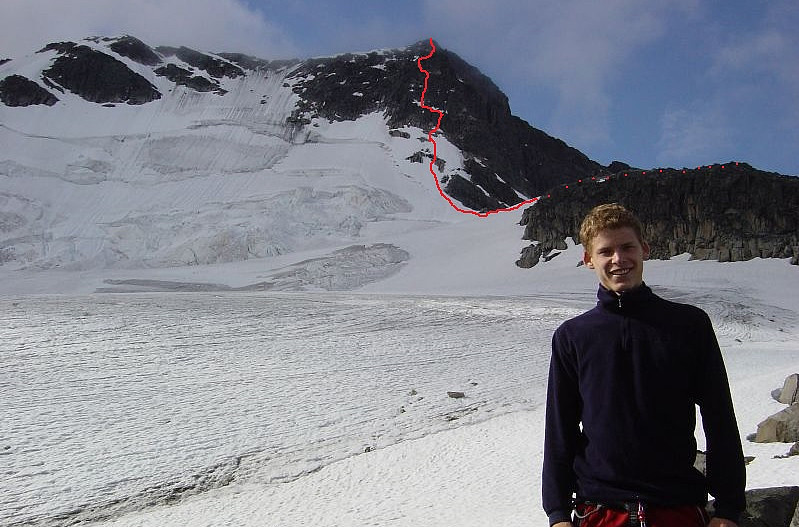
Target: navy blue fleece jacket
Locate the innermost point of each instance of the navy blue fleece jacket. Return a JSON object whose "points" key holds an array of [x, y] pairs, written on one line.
{"points": [[624, 380]]}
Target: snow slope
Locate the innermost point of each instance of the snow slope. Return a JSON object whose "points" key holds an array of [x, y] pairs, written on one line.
{"points": [[195, 178]]}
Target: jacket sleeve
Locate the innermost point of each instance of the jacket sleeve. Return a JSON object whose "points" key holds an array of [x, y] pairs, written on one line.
{"points": [[726, 473], [562, 431]]}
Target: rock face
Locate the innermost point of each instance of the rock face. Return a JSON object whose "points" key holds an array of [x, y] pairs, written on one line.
{"points": [[213, 66], [728, 212], [16, 90], [780, 427], [771, 507], [96, 76], [93, 70], [506, 159], [789, 393], [185, 77], [135, 49]]}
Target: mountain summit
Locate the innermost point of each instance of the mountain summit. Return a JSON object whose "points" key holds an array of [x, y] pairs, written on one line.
{"points": [[505, 160]]}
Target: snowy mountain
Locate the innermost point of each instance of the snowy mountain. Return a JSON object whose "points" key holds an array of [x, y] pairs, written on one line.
{"points": [[116, 155]]}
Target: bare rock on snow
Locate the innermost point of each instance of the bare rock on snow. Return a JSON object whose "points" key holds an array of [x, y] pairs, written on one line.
{"points": [[134, 49], [780, 427], [97, 77], [789, 393], [16, 90]]}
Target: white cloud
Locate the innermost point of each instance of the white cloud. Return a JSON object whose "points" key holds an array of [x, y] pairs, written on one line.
{"points": [[694, 137], [767, 61], [208, 25], [745, 104], [759, 51]]}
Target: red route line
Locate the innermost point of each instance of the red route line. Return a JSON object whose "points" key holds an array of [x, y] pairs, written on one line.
{"points": [[430, 137]]}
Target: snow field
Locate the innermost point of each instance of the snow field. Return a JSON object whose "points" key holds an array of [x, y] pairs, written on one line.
{"points": [[120, 402], [247, 408], [482, 474]]}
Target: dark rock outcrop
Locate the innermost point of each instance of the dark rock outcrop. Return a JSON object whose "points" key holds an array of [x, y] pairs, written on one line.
{"points": [[215, 67], [136, 50], [16, 90], [470, 195], [504, 156], [96, 76], [186, 78], [618, 166], [729, 212], [771, 507]]}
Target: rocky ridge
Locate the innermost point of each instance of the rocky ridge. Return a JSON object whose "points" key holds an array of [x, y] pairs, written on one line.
{"points": [[726, 212]]}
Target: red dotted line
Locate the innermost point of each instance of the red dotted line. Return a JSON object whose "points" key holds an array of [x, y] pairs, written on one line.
{"points": [[430, 137]]}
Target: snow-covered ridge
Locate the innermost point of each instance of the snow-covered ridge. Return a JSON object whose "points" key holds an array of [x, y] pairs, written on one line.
{"points": [[199, 177]]}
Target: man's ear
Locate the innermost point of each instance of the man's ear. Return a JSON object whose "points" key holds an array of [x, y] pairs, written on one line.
{"points": [[587, 260], [646, 248]]}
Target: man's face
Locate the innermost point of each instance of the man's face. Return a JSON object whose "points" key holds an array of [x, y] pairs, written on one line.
{"points": [[617, 257]]}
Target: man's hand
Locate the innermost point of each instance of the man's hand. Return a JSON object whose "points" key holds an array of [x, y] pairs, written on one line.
{"points": [[569, 524], [721, 522]]}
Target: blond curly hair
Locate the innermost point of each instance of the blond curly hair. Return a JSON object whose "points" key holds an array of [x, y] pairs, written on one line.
{"points": [[608, 216]]}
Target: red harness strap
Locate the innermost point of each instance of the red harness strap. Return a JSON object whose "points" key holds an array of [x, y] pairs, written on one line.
{"points": [[638, 515]]}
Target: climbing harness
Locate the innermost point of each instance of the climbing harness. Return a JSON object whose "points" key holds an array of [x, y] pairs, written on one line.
{"points": [[636, 511]]}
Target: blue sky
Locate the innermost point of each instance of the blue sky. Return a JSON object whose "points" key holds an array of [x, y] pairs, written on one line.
{"points": [[678, 83]]}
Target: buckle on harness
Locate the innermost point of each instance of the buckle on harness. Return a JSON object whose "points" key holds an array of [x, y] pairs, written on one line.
{"points": [[636, 510], [637, 514]]}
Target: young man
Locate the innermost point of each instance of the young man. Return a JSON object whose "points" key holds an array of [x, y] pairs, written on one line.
{"points": [[624, 382]]}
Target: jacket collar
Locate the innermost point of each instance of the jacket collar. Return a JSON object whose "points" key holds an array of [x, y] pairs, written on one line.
{"points": [[626, 300]]}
